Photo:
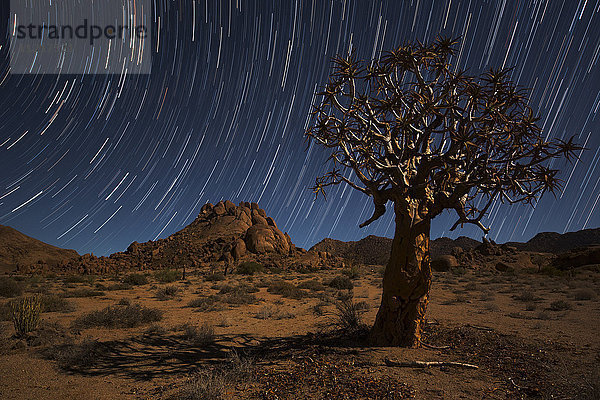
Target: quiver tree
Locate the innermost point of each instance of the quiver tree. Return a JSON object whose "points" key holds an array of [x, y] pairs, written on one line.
{"points": [[408, 128]]}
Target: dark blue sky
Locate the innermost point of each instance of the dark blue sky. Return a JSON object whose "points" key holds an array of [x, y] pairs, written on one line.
{"points": [[223, 113]]}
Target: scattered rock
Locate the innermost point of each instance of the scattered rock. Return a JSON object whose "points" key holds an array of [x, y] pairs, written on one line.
{"points": [[503, 267], [444, 263], [577, 258]]}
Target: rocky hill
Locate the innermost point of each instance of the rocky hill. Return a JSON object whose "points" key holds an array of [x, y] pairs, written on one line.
{"points": [[17, 249], [222, 236]]}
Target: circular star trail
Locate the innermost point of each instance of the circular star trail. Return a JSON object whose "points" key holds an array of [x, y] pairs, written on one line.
{"points": [[94, 162]]}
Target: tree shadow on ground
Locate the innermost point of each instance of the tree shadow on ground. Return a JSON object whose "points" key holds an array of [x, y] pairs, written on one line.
{"points": [[152, 355]]}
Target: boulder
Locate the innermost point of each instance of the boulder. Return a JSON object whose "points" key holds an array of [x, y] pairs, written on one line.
{"points": [[207, 208], [271, 222], [134, 248], [229, 206], [265, 239], [489, 248], [239, 249], [444, 263], [219, 208], [258, 219], [504, 267]]}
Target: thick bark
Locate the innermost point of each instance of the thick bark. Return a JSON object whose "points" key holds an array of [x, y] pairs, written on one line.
{"points": [[406, 283]]}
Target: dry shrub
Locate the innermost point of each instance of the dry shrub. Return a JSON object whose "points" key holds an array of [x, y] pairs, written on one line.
{"points": [[348, 315], [560, 305], [269, 312], [167, 292], [55, 303], [584, 294], [119, 317], [75, 357], [9, 287], [286, 289], [135, 279], [167, 275], [82, 292], [204, 385], [199, 335], [206, 304], [341, 283]]}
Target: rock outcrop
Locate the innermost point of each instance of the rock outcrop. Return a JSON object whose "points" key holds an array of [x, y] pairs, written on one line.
{"points": [[222, 236]]}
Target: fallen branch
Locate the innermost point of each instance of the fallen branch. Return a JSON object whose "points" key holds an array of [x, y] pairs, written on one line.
{"points": [[481, 328], [427, 364], [430, 346]]}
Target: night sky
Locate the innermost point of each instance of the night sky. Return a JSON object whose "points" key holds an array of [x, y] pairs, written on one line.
{"points": [[95, 162]]}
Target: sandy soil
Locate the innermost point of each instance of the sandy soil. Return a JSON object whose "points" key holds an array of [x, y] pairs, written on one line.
{"points": [[531, 335]]}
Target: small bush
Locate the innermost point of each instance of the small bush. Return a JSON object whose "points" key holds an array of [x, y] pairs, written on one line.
{"points": [[5, 311], [89, 279], [215, 277], [341, 283], [526, 297], [199, 336], [458, 271], [584, 294], [238, 367], [9, 287], [115, 286], [167, 292], [549, 270], [353, 272], [530, 307], [286, 289], [135, 279], [237, 298], [26, 314], [319, 308], [55, 303], [75, 356], [206, 304], [543, 315], [249, 268], [124, 302], [241, 288], [204, 386], [119, 317], [560, 305], [348, 315], [167, 275], [82, 292], [459, 298], [155, 329], [315, 285], [269, 312]]}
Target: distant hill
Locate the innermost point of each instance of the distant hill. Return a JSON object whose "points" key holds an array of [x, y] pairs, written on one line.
{"points": [[375, 250], [372, 250], [17, 248], [552, 242]]}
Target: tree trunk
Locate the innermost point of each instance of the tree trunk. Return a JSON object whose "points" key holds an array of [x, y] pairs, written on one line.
{"points": [[406, 283]]}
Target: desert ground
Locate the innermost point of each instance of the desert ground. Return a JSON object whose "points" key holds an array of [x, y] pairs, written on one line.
{"points": [[268, 334]]}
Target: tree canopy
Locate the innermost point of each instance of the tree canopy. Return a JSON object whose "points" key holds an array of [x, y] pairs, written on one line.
{"points": [[416, 131]]}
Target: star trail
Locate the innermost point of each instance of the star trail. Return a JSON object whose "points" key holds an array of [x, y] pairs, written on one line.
{"points": [[94, 162]]}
